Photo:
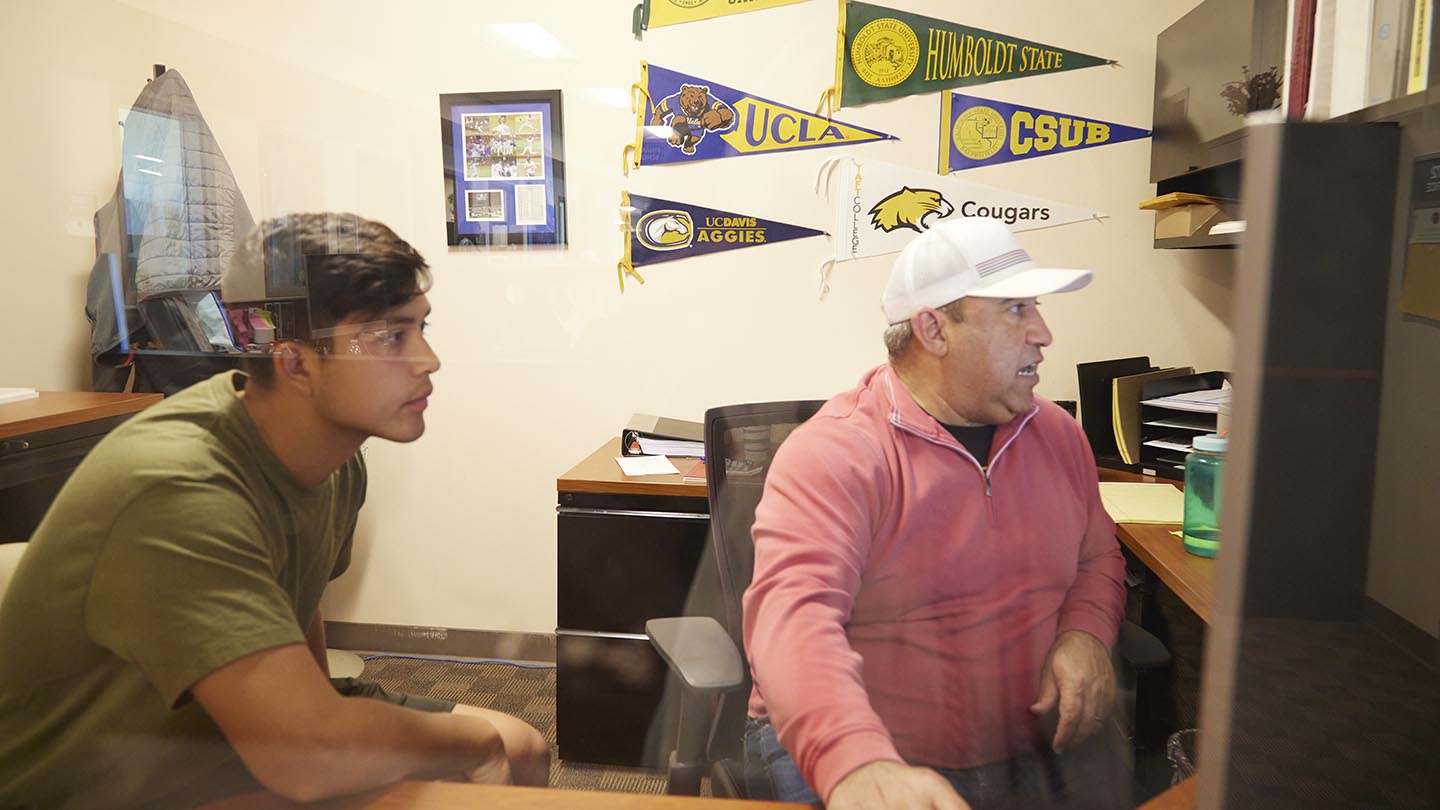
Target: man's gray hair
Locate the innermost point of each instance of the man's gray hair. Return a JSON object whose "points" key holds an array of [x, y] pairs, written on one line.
{"points": [[898, 336]]}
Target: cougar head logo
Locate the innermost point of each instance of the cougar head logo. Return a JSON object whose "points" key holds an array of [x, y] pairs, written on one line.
{"points": [[908, 208]]}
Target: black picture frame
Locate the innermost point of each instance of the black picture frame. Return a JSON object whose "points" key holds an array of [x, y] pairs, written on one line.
{"points": [[503, 155]]}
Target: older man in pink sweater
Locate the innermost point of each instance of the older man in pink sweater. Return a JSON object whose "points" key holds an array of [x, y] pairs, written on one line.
{"points": [[937, 586]]}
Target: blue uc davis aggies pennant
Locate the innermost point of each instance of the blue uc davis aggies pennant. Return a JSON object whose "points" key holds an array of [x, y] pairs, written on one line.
{"points": [[665, 230], [980, 132], [683, 117]]}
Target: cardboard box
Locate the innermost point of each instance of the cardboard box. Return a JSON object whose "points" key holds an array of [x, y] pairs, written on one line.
{"points": [[1187, 220]]}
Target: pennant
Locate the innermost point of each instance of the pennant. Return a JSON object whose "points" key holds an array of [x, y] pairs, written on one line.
{"points": [[655, 13], [659, 230], [879, 207], [979, 132], [688, 118], [883, 53]]}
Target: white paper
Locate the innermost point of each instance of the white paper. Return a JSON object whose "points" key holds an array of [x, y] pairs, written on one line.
{"points": [[646, 465], [1194, 401], [1169, 444], [17, 394], [530, 204], [671, 447]]}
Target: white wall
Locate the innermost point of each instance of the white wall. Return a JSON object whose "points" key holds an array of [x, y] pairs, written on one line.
{"points": [[333, 105]]}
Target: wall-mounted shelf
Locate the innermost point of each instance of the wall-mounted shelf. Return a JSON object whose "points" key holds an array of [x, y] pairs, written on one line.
{"points": [[1219, 241], [1222, 182]]}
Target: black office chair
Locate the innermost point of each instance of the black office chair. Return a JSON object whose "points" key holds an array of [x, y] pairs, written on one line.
{"points": [[705, 655]]}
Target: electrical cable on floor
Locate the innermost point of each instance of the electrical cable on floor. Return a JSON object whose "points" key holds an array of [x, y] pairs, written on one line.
{"points": [[446, 660]]}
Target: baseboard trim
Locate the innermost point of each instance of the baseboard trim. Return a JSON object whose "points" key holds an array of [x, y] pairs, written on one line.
{"points": [[1402, 633], [399, 638]]}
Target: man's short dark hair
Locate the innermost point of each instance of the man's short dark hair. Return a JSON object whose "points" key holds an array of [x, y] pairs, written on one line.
{"points": [[899, 336], [350, 266]]}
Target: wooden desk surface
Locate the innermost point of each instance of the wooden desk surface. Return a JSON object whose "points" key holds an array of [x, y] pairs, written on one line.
{"points": [[1192, 578], [599, 473], [1180, 797], [53, 409], [448, 795]]}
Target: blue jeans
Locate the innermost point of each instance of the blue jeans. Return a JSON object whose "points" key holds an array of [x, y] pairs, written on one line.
{"points": [[1090, 776], [766, 759]]}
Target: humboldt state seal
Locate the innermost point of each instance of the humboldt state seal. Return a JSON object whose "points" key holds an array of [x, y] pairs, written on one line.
{"points": [[979, 132], [884, 52], [688, 3]]}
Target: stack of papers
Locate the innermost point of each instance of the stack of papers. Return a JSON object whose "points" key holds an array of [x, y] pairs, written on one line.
{"points": [[671, 447], [1142, 503], [17, 394], [1194, 401]]}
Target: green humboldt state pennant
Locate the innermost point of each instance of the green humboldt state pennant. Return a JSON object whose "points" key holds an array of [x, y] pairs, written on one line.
{"points": [[883, 53]]}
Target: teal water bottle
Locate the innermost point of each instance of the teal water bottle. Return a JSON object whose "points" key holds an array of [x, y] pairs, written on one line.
{"points": [[1204, 476]]}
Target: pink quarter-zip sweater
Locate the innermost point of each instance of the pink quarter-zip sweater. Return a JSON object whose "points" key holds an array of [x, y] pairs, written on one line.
{"points": [[905, 596]]}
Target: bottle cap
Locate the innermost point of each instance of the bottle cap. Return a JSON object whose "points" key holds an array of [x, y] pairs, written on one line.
{"points": [[1211, 443]]}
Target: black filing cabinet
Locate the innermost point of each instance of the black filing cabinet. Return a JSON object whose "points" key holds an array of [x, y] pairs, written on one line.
{"points": [[623, 558]]}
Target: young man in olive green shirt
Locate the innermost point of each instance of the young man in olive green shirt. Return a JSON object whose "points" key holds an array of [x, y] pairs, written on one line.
{"points": [[161, 643]]}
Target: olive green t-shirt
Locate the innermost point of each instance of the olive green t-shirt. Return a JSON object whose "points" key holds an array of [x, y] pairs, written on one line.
{"points": [[178, 545]]}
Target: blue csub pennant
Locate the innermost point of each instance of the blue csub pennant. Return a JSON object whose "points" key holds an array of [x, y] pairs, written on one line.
{"points": [[981, 132]]}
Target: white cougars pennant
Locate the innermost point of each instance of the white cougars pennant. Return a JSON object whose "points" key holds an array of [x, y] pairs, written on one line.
{"points": [[879, 207]]}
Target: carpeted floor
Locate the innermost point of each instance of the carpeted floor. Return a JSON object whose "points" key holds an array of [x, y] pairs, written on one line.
{"points": [[529, 694]]}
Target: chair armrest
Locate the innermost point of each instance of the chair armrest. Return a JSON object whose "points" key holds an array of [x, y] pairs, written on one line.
{"points": [[699, 650], [1139, 648]]}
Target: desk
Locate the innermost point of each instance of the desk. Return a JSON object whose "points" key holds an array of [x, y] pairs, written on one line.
{"points": [[1180, 797], [448, 795], [43, 439], [627, 551], [1190, 577]]}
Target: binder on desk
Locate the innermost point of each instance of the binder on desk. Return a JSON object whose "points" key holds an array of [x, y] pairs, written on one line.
{"points": [[1095, 402], [1170, 421], [1125, 404], [658, 435]]}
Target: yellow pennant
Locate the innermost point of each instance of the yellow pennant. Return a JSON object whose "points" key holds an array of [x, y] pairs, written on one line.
{"points": [[655, 13], [763, 126]]}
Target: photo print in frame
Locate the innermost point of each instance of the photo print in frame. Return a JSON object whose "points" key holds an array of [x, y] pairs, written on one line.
{"points": [[504, 168]]}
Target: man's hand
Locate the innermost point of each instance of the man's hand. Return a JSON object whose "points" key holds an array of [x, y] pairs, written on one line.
{"points": [[494, 771], [1079, 675], [883, 785]]}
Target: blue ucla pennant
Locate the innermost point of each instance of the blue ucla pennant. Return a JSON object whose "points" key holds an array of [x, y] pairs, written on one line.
{"points": [[683, 117], [665, 230], [980, 132]]}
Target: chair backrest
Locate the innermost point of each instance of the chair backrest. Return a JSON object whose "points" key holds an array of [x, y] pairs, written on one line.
{"points": [[740, 443]]}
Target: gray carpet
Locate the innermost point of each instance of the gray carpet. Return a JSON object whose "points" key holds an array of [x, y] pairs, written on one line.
{"points": [[528, 694]]}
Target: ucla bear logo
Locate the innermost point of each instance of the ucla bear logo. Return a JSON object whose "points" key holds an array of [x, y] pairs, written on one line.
{"points": [[690, 113], [665, 230], [909, 208]]}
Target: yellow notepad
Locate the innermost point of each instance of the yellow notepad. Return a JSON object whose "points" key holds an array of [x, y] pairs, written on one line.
{"points": [[1142, 503]]}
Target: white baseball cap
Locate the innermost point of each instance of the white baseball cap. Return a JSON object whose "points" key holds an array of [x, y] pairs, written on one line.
{"points": [[975, 256]]}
